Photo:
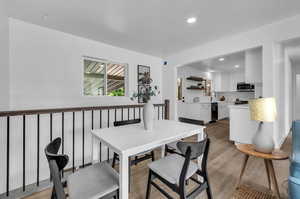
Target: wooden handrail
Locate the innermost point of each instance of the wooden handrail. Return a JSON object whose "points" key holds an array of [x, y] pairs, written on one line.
{"points": [[70, 109]]}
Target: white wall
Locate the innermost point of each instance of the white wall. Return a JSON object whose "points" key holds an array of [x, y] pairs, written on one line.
{"points": [[169, 88], [279, 92], [4, 57], [253, 65], [297, 98], [288, 85], [47, 68], [254, 69], [296, 90], [264, 36]]}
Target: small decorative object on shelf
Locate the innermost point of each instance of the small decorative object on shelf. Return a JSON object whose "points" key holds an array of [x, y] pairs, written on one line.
{"points": [[146, 91]]}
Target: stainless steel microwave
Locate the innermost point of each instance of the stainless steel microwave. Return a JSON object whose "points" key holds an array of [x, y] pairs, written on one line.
{"points": [[245, 87]]}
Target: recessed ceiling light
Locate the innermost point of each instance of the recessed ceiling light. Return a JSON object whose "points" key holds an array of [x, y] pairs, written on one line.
{"points": [[237, 66], [221, 59], [191, 20]]}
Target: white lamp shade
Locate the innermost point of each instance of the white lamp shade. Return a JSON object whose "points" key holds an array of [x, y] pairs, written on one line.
{"points": [[263, 109]]}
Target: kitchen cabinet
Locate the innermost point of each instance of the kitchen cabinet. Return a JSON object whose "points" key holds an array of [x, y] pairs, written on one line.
{"points": [[195, 111], [223, 110], [202, 111], [253, 65], [227, 81], [242, 128]]}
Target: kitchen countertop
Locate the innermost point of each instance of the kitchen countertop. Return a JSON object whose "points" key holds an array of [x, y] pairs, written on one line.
{"points": [[219, 102], [197, 102], [239, 106]]}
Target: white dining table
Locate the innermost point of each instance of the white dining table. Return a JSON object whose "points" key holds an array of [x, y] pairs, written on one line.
{"points": [[133, 139]]}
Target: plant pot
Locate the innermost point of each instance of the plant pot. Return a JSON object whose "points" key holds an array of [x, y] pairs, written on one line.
{"points": [[148, 116]]}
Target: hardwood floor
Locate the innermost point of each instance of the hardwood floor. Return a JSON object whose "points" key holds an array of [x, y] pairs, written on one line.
{"points": [[224, 167]]}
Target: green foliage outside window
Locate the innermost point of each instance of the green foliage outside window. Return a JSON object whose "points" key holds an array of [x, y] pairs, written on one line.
{"points": [[118, 92]]}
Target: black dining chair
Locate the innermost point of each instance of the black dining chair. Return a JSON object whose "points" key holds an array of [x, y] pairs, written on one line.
{"points": [[95, 181], [172, 147], [175, 170]]}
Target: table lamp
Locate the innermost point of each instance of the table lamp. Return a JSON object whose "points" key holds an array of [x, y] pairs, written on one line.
{"points": [[264, 111]]}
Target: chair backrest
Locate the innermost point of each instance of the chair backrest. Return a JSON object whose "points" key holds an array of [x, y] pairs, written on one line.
{"points": [[193, 150], [197, 148], [56, 164], [51, 151], [58, 186], [126, 122]]}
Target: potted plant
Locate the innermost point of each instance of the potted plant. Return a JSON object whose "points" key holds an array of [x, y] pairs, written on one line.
{"points": [[146, 91]]}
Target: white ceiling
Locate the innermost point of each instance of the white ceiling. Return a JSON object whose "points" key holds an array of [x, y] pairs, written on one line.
{"points": [[228, 65], [156, 27]]}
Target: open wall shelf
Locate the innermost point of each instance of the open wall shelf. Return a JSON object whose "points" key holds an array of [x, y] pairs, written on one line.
{"points": [[193, 78], [202, 85], [193, 88]]}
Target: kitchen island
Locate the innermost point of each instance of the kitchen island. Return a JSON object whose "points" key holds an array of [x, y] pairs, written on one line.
{"points": [[201, 111], [242, 128]]}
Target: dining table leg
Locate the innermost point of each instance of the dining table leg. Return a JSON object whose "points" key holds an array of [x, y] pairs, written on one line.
{"points": [[123, 179], [163, 151]]}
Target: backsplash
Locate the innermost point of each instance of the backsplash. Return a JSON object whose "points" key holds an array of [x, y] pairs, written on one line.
{"points": [[232, 96]]}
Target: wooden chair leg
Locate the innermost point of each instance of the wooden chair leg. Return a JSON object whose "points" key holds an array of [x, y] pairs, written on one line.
{"points": [[273, 176], [243, 170], [268, 173], [114, 160], [152, 156], [135, 160], [166, 150], [149, 185], [117, 195]]}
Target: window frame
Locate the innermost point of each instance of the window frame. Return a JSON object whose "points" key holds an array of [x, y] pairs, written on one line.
{"points": [[106, 61]]}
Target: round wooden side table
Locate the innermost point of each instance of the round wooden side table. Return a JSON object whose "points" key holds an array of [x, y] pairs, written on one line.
{"points": [[248, 150]]}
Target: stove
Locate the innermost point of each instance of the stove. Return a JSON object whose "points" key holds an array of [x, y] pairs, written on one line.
{"points": [[240, 102]]}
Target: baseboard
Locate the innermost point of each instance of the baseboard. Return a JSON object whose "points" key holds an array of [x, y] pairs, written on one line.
{"points": [[191, 121]]}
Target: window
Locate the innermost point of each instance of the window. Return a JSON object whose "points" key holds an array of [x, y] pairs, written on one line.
{"points": [[103, 77]]}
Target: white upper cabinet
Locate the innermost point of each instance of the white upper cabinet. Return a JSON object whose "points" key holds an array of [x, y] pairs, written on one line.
{"points": [[253, 65], [227, 81]]}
